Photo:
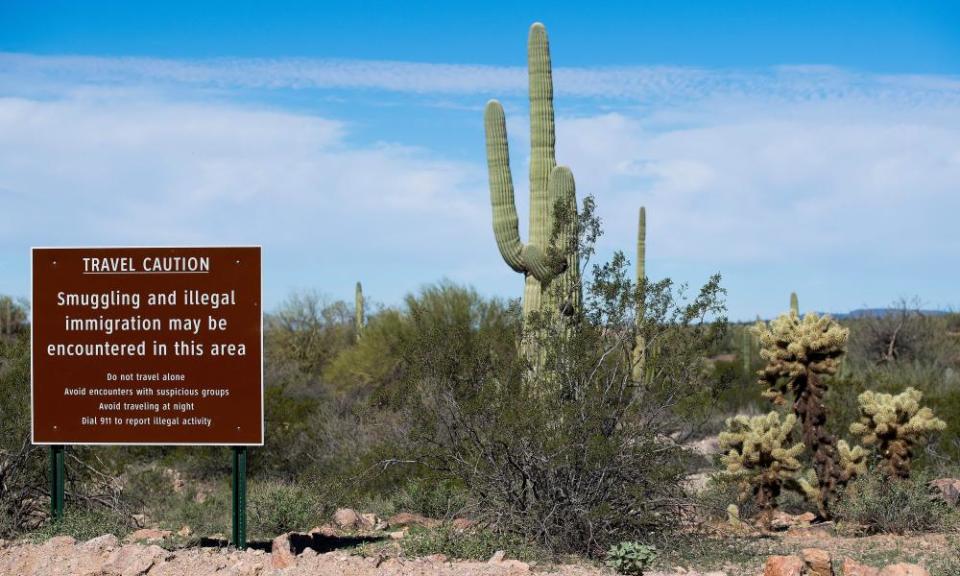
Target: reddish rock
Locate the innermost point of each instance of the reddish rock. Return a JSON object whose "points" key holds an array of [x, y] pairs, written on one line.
{"points": [[462, 524], [101, 543], [853, 568], [371, 521], [783, 566], [281, 552], [325, 530], [347, 519], [409, 519], [783, 521], [818, 561], [147, 535], [134, 560], [904, 569]]}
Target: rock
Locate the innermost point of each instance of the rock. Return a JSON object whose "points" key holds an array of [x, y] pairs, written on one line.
{"points": [[101, 543], [371, 521], [904, 569], [436, 558], [783, 521], [398, 535], [281, 552], [139, 520], [184, 532], [135, 560], [147, 535], [462, 524], [347, 518], [59, 542], [948, 489], [783, 566], [498, 556], [325, 530], [409, 519], [853, 568], [818, 561]]}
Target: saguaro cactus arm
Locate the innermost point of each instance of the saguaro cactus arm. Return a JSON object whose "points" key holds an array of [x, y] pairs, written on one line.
{"points": [[506, 224]]}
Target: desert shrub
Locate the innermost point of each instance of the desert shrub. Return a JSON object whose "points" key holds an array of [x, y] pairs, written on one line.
{"points": [[574, 455], [902, 333], [23, 499], [473, 544], [631, 558], [278, 507], [84, 524], [875, 503], [203, 506], [432, 497], [307, 331]]}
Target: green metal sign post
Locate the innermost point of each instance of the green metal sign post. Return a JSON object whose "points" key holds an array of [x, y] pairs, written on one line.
{"points": [[56, 481], [240, 497]]}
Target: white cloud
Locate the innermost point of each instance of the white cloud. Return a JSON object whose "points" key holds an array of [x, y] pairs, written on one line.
{"points": [[839, 185], [104, 171]]}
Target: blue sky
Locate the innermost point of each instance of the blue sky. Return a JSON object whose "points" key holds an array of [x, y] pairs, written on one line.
{"points": [[810, 147]]}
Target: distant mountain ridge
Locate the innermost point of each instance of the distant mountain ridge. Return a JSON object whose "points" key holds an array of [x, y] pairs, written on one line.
{"points": [[867, 312]]}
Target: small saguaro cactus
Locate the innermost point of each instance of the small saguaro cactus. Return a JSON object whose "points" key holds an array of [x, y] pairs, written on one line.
{"points": [[896, 425], [746, 350], [640, 346], [794, 303], [799, 353], [760, 454], [549, 261], [358, 311]]}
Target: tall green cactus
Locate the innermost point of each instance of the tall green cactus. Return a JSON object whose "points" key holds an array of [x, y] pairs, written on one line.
{"points": [[794, 303], [550, 186], [358, 311], [640, 346], [746, 350]]}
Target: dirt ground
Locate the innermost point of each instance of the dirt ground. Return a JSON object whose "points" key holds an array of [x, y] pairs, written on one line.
{"points": [[726, 556]]}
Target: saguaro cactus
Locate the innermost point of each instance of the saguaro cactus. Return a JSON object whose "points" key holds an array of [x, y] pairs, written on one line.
{"points": [[895, 425], [358, 311], [760, 454], [799, 353], [640, 346], [552, 276], [794, 303]]}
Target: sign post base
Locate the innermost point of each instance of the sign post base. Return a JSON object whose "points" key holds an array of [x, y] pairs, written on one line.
{"points": [[240, 497], [57, 481]]}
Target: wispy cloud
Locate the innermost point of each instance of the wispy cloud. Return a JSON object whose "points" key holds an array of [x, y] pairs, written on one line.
{"points": [[639, 83]]}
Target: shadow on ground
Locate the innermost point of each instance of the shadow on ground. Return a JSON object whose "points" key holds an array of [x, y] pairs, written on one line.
{"points": [[319, 543]]}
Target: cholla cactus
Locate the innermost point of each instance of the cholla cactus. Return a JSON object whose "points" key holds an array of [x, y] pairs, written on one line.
{"points": [[895, 425], [761, 455], [799, 352], [853, 461]]}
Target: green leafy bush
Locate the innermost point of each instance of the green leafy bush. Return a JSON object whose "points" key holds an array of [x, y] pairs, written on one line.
{"points": [[432, 497], [277, 507], [875, 503], [631, 558]]}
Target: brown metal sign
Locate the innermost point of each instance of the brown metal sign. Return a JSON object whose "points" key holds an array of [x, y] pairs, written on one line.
{"points": [[147, 346]]}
